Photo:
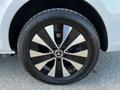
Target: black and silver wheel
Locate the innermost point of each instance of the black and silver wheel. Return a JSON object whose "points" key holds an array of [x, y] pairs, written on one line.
{"points": [[58, 46]]}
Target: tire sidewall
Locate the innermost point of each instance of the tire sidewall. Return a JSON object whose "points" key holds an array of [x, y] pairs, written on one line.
{"points": [[27, 34]]}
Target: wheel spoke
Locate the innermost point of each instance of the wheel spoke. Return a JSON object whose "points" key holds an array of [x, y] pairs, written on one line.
{"points": [[81, 53], [70, 67], [75, 66], [77, 59], [66, 73], [69, 39], [58, 32], [66, 31], [39, 48], [58, 71], [37, 54], [50, 30], [78, 48], [52, 71], [39, 59], [37, 40], [76, 41], [47, 67], [46, 37], [41, 65]]}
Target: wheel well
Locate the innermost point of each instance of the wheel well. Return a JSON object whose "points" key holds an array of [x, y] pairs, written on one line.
{"points": [[35, 6]]}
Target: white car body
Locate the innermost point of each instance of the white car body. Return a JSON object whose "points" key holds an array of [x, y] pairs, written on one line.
{"points": [[109, 10]]}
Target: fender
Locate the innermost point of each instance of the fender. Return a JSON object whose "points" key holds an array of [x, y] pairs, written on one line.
{"points": [[6, 18], [110, 13]]}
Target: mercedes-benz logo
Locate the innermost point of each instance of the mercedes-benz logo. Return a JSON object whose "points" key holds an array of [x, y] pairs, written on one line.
{"points": [[58, 53]]}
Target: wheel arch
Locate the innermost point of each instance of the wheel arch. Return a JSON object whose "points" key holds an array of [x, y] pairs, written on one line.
{"points": [[33, 7]]}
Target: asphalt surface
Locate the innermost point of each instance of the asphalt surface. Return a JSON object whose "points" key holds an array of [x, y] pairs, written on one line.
{"points": [[105, 76]]}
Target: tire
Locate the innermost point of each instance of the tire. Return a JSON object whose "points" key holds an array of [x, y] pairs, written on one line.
{"points": [[58, 46]]}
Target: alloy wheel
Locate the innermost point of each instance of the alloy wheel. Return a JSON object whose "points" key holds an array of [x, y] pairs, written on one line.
{"points": [[59, 50]]}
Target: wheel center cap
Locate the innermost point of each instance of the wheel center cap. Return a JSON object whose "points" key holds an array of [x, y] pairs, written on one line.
{"points": [[58, 53]]}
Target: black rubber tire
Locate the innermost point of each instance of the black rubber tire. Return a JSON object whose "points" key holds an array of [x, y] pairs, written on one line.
{"points": [[27, 32]]}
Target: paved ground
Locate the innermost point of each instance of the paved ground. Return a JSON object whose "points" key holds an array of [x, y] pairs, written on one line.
{"points": [[105, 76]]}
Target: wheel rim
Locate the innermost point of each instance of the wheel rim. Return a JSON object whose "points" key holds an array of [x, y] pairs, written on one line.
{"points": [[59, 50]]}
